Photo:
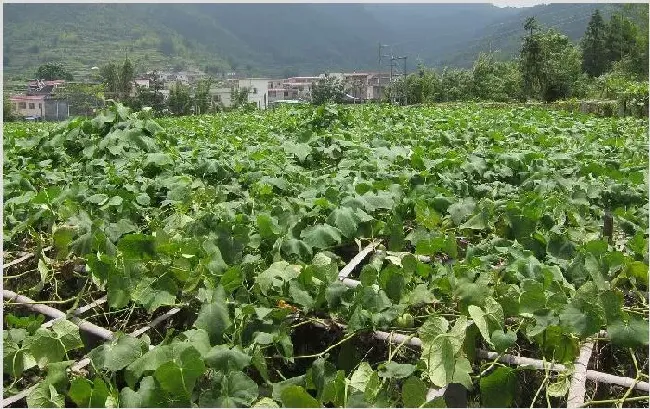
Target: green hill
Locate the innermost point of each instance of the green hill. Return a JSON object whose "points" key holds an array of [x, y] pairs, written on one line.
{"points": [[265, 39]]}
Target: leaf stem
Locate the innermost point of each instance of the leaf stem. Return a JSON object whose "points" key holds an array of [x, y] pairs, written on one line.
{"points": [[599, 402], [328, 348]]}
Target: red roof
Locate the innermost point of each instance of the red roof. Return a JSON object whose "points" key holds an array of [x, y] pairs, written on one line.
{"points": [[20, 98]]}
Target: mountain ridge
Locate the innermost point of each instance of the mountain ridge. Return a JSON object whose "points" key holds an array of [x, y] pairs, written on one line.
{"points": [[266, 39]]}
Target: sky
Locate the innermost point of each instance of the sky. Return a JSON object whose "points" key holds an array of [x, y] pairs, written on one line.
{"points": [[517, 3]]}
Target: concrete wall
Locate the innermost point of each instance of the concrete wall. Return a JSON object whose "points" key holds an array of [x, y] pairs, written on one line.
{"points": [[55, 110]]}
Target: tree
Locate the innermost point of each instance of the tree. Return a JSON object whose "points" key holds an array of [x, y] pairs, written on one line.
{"points": [[7, 111], [110, 78], [151, 96], [495, 80], [327, 89], [550, 65], [179, 101], [595, 60], [52, 71], [530, 59], [83, 99], [238, 97], [126, 77], [621, 37], [202, 100]]}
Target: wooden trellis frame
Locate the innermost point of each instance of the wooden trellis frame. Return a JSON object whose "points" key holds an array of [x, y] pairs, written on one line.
{"points": [[575, 397]]}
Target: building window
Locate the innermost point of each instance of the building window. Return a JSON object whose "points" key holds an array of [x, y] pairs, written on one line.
{"points": [[286, 94], [254, 90], [22, 105], [40, 106], [32, 105]]}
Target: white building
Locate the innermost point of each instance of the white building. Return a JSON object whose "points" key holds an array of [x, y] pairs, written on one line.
{"points": [[257, 90]]}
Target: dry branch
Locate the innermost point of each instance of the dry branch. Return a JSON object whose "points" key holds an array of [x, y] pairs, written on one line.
{"points": [[345, 271], [23, 258], [56, 314], [576, 396]]}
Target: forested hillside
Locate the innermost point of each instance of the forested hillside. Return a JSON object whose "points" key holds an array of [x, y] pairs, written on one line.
{"points": [[272, 39]]}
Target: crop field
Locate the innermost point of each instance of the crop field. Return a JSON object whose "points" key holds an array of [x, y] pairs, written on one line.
{"points": [[332, 256]]}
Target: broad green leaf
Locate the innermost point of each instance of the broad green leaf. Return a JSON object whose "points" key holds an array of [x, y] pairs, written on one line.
{"points": [[234, 390], [345, 219], [503, 340], [276, 275], [395, 370], [147, 396], [294, 396], [321, 236], [179, 376], [225, 359], [86, 394], [498, 388], [632, 334], [414, 392], [45, 396], [479, 320], [214, 319], [440, 361], [117, 354]]}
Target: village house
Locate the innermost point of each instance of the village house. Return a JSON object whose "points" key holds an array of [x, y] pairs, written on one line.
{"points": [[40, 107]]}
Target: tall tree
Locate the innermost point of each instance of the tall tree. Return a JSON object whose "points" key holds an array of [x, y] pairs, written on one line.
{"points": [[595, 60], [549, 65], [110, 78], [327, 89], [53, 72], [202, 100], [179, 101], [126, 77], [621, 38], [530, 59]]}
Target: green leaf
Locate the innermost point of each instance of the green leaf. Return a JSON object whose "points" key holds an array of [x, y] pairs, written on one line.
{"points": [[268, 226], [98, 199], [432, 327], [179, 376], [137, 247], [115, 201], [498, 388], [296, 397], [45, 396], [321, 236], [265, 403], [638, 270], [148, 396], [117, 354], [395, 370], [45, 348], [345, 219], [479, 320], [630, 334], [276, 275], [414, 392], [459, 211], [300, 150], [225, 359], [293, 246], [503, 340], [86, 394], [57, 375], [234, 390], [440, 360], [361, 376], [214, 318]]}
